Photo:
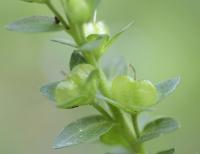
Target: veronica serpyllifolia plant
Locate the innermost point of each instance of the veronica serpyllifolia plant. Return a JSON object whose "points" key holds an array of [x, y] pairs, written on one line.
{"points": [[119, 98]]}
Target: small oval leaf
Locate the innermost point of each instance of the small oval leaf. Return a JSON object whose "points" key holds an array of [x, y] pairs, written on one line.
{"points": [[83, 130], [35, 24], [49, 90], [167, 87], [158, 127]]}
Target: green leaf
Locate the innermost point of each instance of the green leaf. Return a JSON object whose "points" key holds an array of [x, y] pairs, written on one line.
{"points": [[167, 87], [49, 89], [36, 1], [119, 34], [65, 42], [158, 127], [76, 59], [35, 24], [170, 151], [83, 130]]}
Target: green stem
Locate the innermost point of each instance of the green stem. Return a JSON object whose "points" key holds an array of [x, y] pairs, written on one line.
{"points": [[78, 30], [139, 147], [102, 111], [135, 124], [57, 14]]}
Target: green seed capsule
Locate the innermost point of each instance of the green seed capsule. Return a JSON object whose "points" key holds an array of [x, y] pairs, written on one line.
{"points": [[133, 95], [75, 90], [67, 94]]}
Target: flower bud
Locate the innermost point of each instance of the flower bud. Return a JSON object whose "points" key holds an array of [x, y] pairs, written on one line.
{"points": [[95, 28], [80, 11]]}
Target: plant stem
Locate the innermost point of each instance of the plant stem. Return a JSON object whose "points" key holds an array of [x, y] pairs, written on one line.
{"points": [[139, 146], [78, 30], [102, 111], [135, 124], [57, 14]]}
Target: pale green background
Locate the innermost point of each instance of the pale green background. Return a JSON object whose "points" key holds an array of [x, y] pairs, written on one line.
{"points": [[164, 42]]}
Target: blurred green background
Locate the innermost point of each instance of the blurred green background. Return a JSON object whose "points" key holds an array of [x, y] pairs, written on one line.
{"points": [[164, 42]]}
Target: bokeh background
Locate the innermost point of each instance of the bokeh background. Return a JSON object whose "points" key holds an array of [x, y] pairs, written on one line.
{"points": [[164, 42]]}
